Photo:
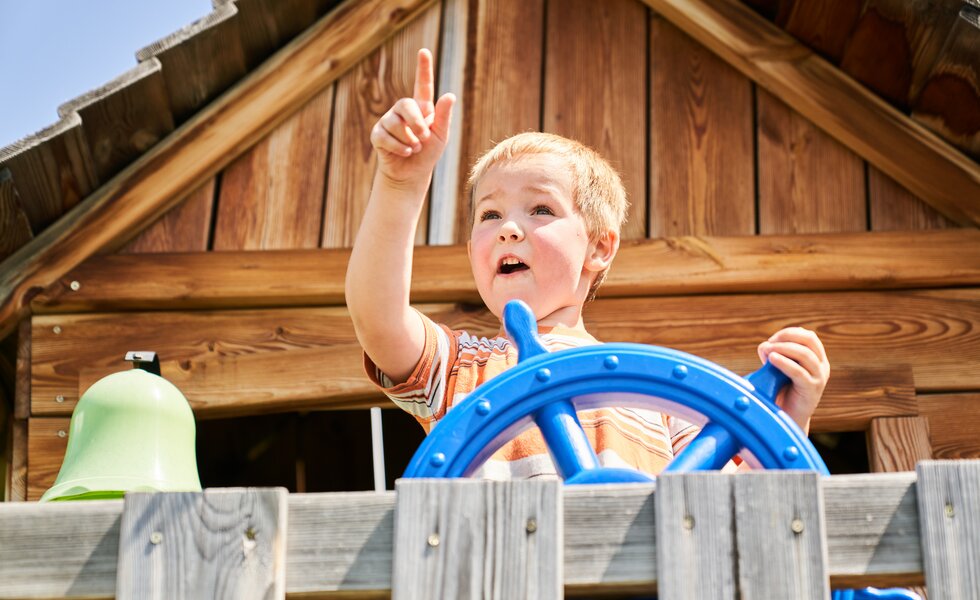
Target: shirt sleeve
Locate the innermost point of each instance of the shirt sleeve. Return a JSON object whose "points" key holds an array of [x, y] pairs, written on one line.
{"points": [[423, 394]]}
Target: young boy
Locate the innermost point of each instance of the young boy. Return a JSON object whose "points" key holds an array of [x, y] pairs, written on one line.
{"points": [[547, 213]]}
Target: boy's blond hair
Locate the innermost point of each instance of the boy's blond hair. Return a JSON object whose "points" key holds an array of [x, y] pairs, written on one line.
{"points": [[598, 191]]}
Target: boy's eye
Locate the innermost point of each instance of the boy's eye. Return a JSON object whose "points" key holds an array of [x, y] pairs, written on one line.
{"points": [[542, 210], [489, 214]]}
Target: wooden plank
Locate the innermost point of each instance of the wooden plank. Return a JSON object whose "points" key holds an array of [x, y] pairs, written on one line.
{"points": [[363, 95], [894, 44], [781, 546], [59, 550], [949, 518], [462, 539], [14, 224], [271, 196], [949, 103], [52, 171], [22, 384], [47, 440], [16, 484], [701, 166], [597, 97], [219, 543], [894, 208], [695, 512], [123, 118], [265, 26], [687, 265], [808, 182], [953, 424], [822, 26], [202, 147], [199, 61], [898, 443], [856, 396], [841, 107], [448, 179], [934, 333], [185, 228], [503, 90]]}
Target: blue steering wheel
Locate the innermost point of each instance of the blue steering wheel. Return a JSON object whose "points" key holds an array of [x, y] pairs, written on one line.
{"points": [[738, 415]]}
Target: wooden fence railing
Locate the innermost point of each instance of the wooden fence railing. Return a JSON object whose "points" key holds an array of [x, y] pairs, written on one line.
{"points": [[707, 535]]}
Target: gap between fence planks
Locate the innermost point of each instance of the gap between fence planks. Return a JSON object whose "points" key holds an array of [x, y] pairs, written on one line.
{"points": [[342, 542], [670, 266]]}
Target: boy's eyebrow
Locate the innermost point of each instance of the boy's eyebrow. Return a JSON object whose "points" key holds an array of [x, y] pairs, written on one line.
{"points": [[542, 188]]}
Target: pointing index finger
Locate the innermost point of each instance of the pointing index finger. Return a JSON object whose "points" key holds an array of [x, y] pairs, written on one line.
{"points": [[424, 82]]}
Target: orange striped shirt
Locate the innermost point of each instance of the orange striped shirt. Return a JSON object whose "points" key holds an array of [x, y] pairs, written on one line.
{"points": [[454, 363]]}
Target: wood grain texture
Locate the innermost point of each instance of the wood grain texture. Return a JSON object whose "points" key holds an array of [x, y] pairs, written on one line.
{"points": [[808, 182], [47, 440], [595, 89], [22, 383], [59, 550], [781, 539], [672, 266], [822, 26], [14, 223], [220, 543], [364, 94], [505, 52], [894, 208], [265, 26], [185, 228], [124, 118], [199, 61], [16, 483], [701, 139], [898, 443], [271, 197], [952, 424], [460, 538], [205, 144], [696, 512], [52, 170], [949, 102], [949, 519], [894, 45], [841, 107], [856, 396]]}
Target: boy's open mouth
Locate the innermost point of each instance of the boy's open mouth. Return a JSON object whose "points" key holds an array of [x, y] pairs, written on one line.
{"points": [[510, 265]]}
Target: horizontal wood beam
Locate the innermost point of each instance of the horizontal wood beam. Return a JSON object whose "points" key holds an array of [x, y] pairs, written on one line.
{"points": [[200, 148], [340, 545], [905, 150], [670, 266]]}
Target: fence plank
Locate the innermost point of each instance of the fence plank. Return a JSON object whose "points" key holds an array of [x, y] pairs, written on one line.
{"points": [[949, 517], [782, 551], [478, 539], [220, 543], [897, 443], [696, 513]]}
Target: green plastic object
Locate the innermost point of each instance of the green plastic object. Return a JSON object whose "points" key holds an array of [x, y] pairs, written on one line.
{"points": [[131, 431]]}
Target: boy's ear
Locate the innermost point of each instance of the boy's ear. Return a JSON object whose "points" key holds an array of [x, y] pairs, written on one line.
{"points": [[602, 251]]}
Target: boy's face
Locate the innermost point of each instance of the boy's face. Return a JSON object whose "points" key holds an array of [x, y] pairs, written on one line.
{"points": [[529, 241]]}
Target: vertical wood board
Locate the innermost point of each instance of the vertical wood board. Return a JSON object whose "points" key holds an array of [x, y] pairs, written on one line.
{"points": [[595, 88], [14, 223], [47, 440], [780, 531], [808, 182], [364, 94], [221, 543], [15, 486], [954, 420], [949, 517], [701, 147], [898, 443], [184, 228], [894, 208], [477, 539], [271, 197]]}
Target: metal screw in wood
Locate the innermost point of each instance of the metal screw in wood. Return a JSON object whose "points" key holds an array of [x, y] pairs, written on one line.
{"points": [[796, 526], [59, 398], [56, 329], [532, 526], [75, 286], [688, 522], [433, 540], [156, 537]]}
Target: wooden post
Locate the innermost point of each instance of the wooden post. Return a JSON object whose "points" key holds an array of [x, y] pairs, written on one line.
{"points": [[696, 558], [781, 544], [460, 538], [949, 517], [221, 543]]}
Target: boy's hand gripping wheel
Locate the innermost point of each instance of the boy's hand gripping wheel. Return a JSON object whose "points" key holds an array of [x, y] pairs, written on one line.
{"points": [[739, 415]]}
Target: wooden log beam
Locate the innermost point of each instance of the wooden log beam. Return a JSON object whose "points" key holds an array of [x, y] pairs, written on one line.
{"points": [[200, 148], [671, 266], [888, 139]]}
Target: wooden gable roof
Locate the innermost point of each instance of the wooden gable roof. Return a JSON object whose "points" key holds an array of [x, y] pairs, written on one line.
{"points": [[129, 178]]}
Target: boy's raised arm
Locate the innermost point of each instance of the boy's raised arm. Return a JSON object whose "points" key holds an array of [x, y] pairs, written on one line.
{"points": [[408, 139]]}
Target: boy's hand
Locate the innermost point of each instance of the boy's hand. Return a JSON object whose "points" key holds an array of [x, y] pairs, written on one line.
{"points": [[800, 355], [411, 136]]}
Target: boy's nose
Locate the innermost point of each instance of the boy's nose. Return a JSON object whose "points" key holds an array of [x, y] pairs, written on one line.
{"points": [[509, 232]]}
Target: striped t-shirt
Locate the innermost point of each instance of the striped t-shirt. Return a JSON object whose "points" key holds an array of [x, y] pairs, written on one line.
{"points": [[454, 363]]}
